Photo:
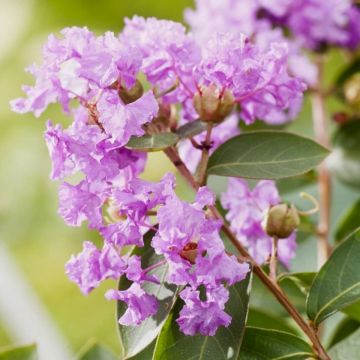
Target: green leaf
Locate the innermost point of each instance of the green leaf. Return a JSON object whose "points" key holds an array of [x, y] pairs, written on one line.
{"points": [[344, 161], [174, 345], [94, 351], [155, 142], [353, 311], [345, 328], [349, 222], [134, 339], [191, 129], [348, 349], [27, 352], [348, 71], [273, 344], [338, 282], [266, 155], [262, 319], [302, 280], [146, 354]]}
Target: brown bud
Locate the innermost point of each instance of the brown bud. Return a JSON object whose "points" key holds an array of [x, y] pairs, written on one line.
{"points": [[352, 91], [213, 105], [189, 252], [281, 221], [130, 95]]}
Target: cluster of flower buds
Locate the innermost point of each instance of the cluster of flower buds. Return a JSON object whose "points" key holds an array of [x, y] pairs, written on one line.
{"points": [[102, 75]]}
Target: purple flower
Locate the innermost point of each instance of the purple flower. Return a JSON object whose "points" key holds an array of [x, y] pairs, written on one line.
{"points": [[122, 121], [203, 316], [90, 267], [169, 54], [246, 209], [258, 78], [78, 203], [140, 304], [135, 272]]}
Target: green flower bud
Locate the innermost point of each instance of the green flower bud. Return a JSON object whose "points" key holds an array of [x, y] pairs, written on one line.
{"points": [[281, 221], [128, 96], [212, 105]]}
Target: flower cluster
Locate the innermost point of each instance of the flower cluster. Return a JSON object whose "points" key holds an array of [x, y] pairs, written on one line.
{"points": [[246, 209], [101, 75], [312, 24]]}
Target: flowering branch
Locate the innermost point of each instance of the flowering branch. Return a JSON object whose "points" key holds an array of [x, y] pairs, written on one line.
{"points": [[324, 181], [264, 278]]}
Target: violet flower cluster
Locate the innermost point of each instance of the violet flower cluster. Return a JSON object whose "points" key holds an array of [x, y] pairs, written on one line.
{"points": [[101, 75], [302, 24]]}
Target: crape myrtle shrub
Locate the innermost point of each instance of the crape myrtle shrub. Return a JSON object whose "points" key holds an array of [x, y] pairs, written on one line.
{"points": [[185, 269]]}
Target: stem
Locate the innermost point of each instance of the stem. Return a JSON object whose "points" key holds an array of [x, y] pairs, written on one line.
{"points": [[205, 155], [273, 258], [324, 181], [265, 279]]}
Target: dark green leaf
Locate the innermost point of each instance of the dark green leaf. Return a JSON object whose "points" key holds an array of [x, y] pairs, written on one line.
{"points": [[346, 327], [173, 345], [134, 339], [273, 344], [262, 319], [266, 155], [191, 129], [94, 351], [348, 349], [338, 282], [19, 353], [348, 71], [302, 280], [152, 142], [353, 311], [344, 161], [349, 222]]}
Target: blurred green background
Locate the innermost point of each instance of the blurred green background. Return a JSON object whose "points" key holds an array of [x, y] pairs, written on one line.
{"points": [[37, 238]]}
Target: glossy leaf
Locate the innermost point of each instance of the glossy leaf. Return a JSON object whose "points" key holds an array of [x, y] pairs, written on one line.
{"points": [[338, 282], [344, 161], [27, 352], [146, 354], [152, 142], [349, 222], [225, 345], [95, 351], [134, 339], [344, 329], [347, 349], [262, 319], [302, 280], [273, 344], [266, 155], [191, 129]]}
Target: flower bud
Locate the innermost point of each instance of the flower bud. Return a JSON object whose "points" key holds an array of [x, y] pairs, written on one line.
{"points": [[352, 91], [213, 105], [130, 95], [281, 221]]}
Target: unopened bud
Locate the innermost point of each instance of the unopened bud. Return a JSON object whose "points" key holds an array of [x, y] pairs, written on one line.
{"points": [[213, 105], [130, 95], [281, 221], [352, 91]]}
